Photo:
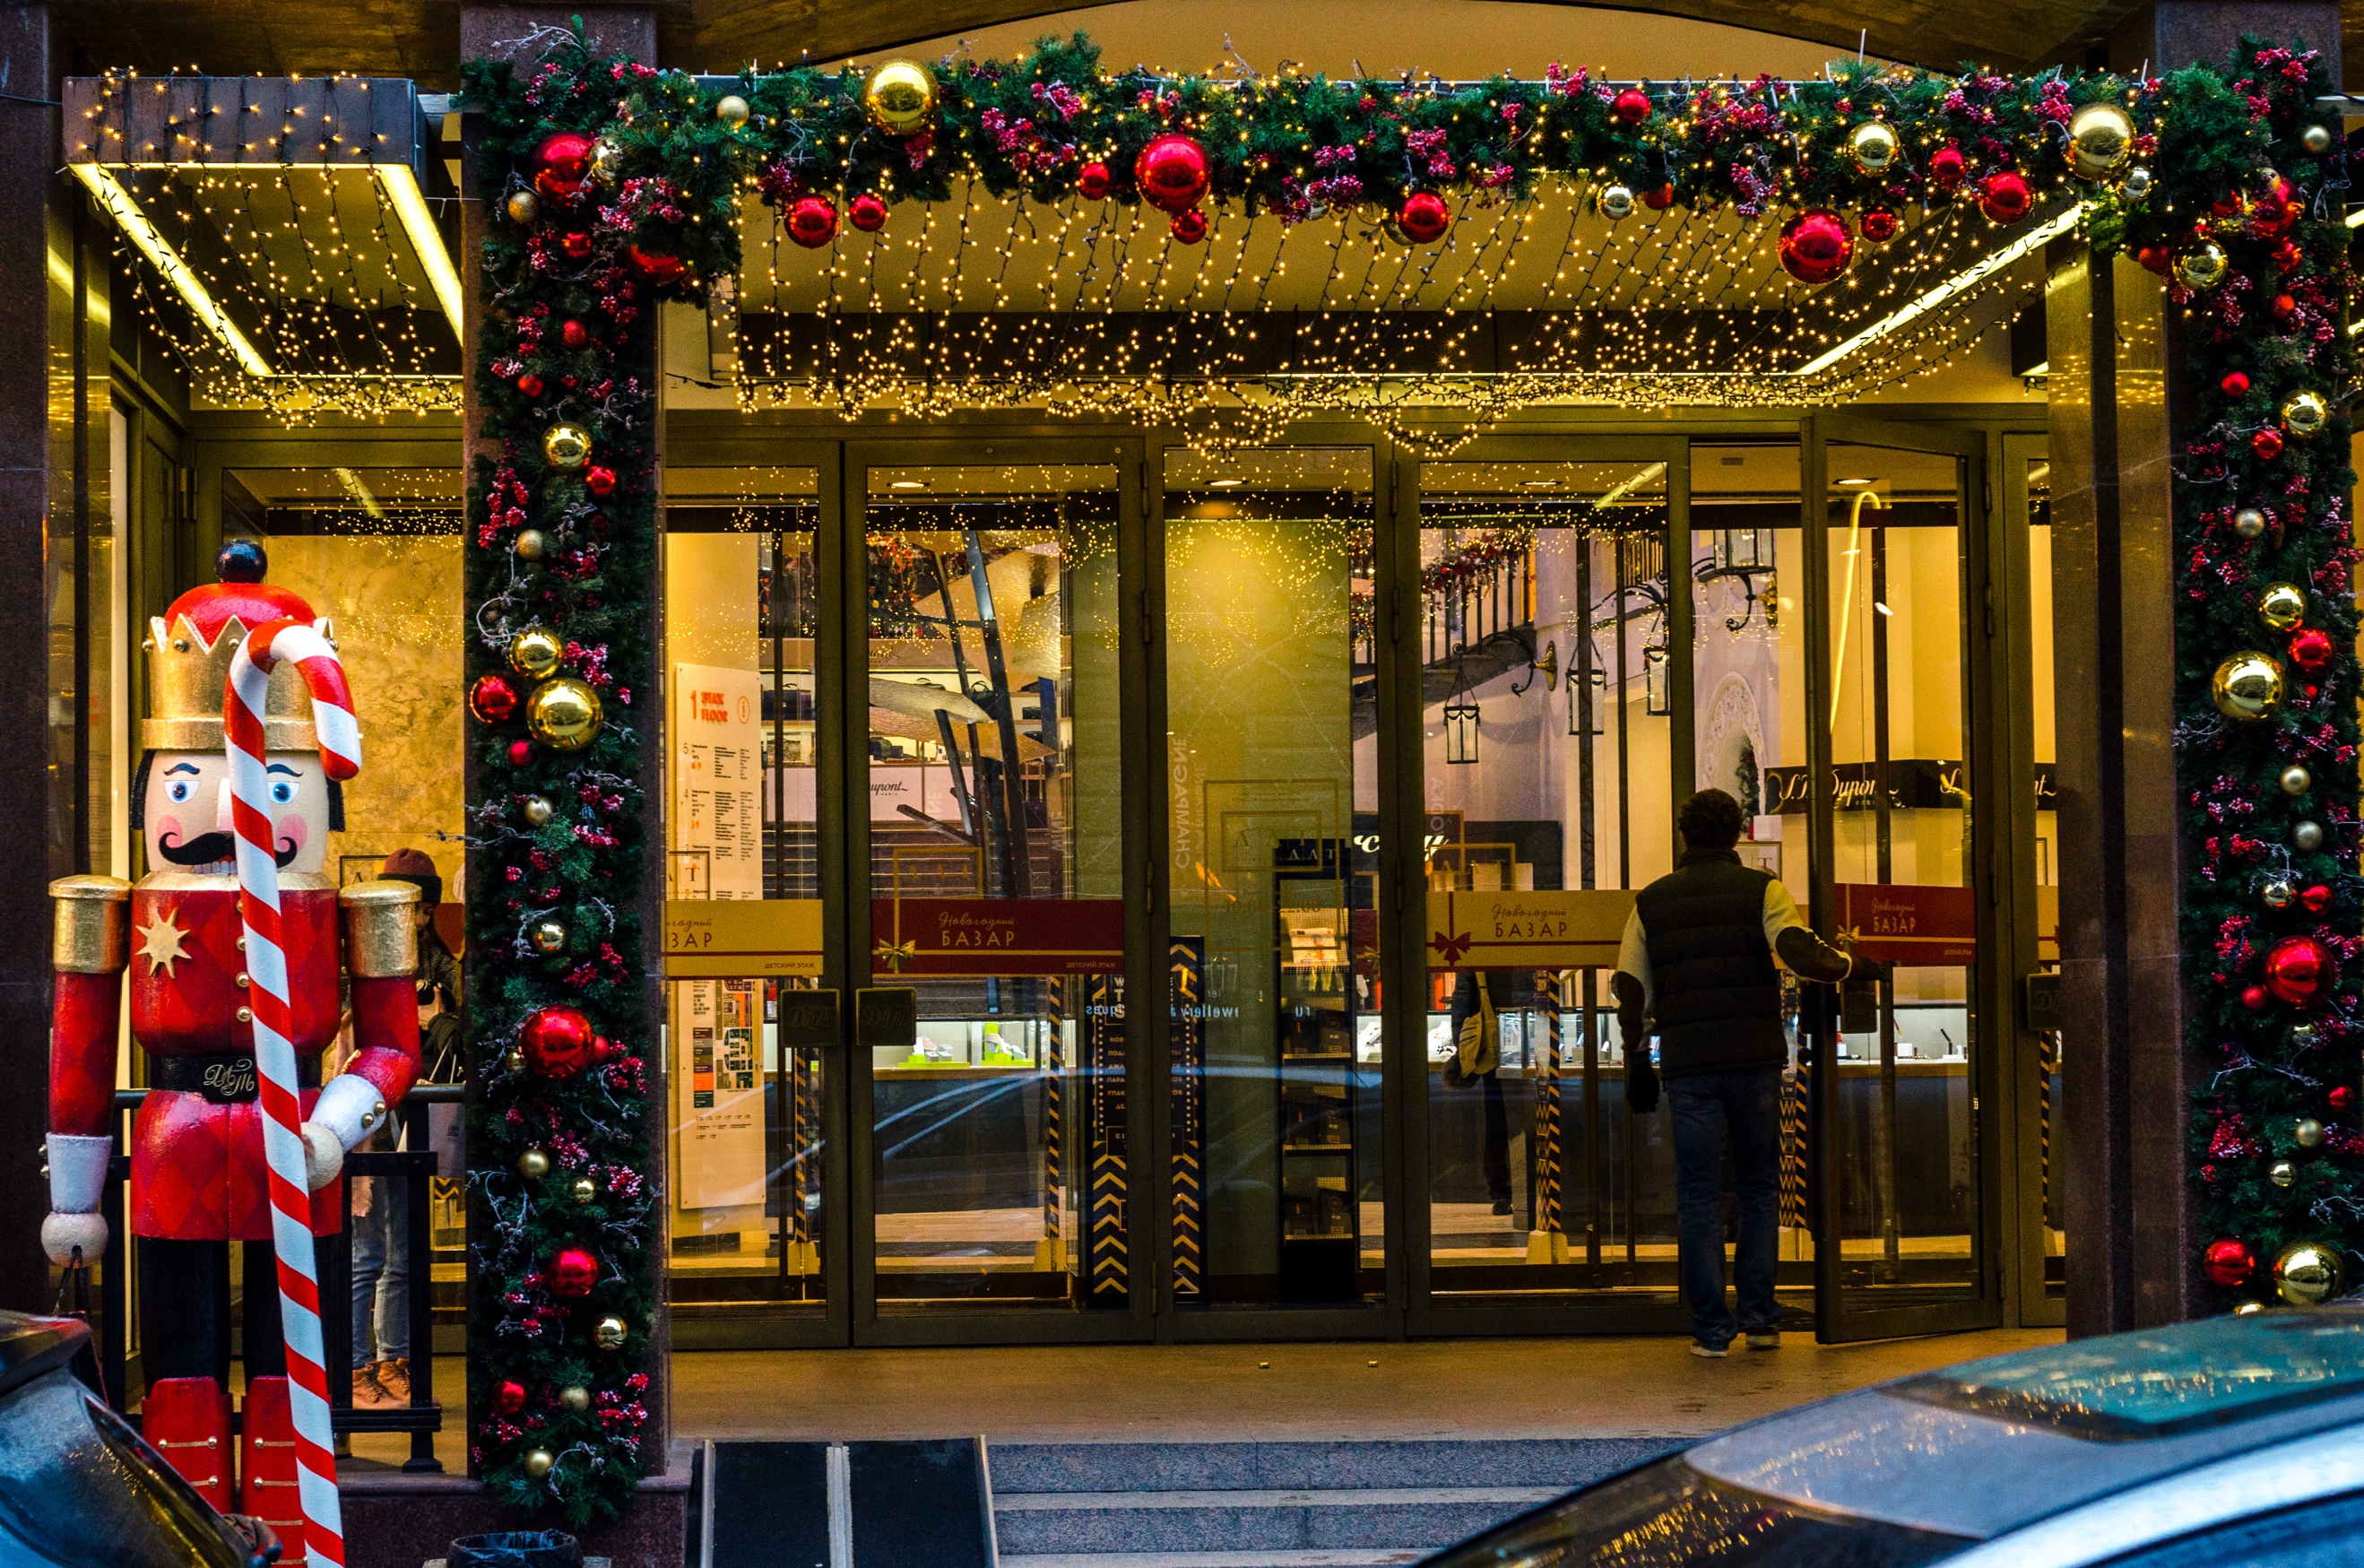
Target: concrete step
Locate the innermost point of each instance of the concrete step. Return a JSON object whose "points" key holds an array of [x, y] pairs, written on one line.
{"points": [[1280, 1504]]}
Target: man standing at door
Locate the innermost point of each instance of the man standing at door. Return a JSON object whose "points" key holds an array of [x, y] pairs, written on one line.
{"points": [[1698, 956]]}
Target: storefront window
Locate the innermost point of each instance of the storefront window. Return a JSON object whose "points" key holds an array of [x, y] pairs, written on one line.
{"points": [[2051, 1131], [741, 619], [1271, 757], [996, 800]]}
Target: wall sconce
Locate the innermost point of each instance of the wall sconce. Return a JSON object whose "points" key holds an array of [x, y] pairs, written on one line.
{"points": [[1655, 694], [1546, 665]]}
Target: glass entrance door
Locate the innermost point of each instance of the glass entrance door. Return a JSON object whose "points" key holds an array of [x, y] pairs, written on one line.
{"points": [[1901, 1076]]}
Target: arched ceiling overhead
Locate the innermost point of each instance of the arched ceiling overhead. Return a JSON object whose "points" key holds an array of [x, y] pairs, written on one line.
{"points": [[419, 38]]}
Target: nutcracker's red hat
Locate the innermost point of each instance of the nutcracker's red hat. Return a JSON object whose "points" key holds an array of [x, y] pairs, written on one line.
{"points": [[189, 651]]}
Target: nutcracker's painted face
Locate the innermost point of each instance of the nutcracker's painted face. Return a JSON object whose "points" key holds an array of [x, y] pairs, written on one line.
{"points": [[184, 810]]}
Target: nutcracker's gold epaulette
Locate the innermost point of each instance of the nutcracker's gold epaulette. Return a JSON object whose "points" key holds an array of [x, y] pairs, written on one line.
{"points": [[380, 943], [93, 930]]}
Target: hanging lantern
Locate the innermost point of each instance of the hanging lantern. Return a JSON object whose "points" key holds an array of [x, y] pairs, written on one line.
{"points": [[1424, 217], [2101, 139], [1461, 721], [901, 97], [1658, 688], [1171, 172], [1816, 246], [1587, 712], [2004, 197], [1741, 550], [2247, 686], [1873, 146], [812, 221]]}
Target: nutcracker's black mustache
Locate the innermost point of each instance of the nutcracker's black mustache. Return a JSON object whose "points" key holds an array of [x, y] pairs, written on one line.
{"points": [[207, 848]]}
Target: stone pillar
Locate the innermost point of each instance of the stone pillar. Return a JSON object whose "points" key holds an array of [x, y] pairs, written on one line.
{"points": [[2114, 349], [490, 31]]}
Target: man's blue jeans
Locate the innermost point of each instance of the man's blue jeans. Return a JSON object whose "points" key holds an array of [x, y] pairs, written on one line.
{"points": [[1745, 1108]]}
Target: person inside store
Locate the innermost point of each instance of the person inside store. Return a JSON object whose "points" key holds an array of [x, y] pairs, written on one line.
{"points": [[1697, 962], [381, 1208], [1475, 1018]]}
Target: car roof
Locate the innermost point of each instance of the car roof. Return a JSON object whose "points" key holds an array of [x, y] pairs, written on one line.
{"points": [[30, 1346], [1990, 1445]]}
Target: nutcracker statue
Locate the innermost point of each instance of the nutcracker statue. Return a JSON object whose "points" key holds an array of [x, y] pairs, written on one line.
{"points": [[235, 817]]}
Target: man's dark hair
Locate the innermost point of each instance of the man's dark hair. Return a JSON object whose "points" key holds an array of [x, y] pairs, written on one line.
{"points": [[1710, 820]]}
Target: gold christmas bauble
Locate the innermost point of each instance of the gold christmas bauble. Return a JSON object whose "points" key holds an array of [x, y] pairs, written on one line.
{"points": [[564, 713], [2308, 1133], [566, 446], [2296, 779], [523, 205], [2250, 522], [537, 1462], [731, 110], [2307, 1272], [537, 809], [532, 544], [2247, 685], [607, 161], [2283, 1173], [610, 1334], [901, 97], [2137, 184], [2306, 837], [576, 1397], [584, 1189], [1873, 146], [2101, 139], [534, 1164], [2281, 604], [513, 1062], [2305, 415], [535, 652], [547, 936], [2316, 140], [2202, 265], [1616, 201], [2277, 894]]}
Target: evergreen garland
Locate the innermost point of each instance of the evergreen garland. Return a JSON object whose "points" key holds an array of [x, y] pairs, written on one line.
{"points": [[573, 268]]}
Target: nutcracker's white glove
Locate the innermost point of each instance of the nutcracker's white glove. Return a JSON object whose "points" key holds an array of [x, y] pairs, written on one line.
{"points": [[348, 1110], [77, 1179]]}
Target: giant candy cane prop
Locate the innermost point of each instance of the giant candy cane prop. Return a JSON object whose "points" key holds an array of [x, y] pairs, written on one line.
{"points": [[275, 1056]]}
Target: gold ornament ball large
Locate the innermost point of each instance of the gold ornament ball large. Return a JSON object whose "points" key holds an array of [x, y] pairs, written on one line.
{"points": [[2201, 266], [1616, 201], [731, 110], [576, 1397], [534, 1164], [523, 205], [537, 1462], [2247, 685], [547, 936], [2101, 139], [610, 1334], [2305, 415], [565, 714], [607, 161], [535, 652], [1873, 146], [2308, 1274], [566, 446], [901, 97], [2281, 605], [538, 809]]}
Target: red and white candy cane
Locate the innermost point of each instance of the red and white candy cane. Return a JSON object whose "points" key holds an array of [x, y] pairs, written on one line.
{"points": [[275, 1055]]}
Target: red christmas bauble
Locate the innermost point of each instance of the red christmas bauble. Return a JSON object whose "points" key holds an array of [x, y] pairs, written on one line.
{"points": [[563, 164], [2283, 306], [573, 333], [2275, 210], [658, 269], [2234, 384], [2311, 648], [2317, 898], [2288, 256], [599, 479], [520, 753], [1947, 167], [2254, 997], [867, 213], [1659, 198], [2298, 969], [2004, 197], [530, 384], [572, 1273], [1631, 105], [2340, 1096], [1188, 227], [1816, 247], [2266, 444], [557, 1042], [2229, 1261], [1877, 225], [509, 1398], [2156, 257], [493, 699], [1171, 172], [1424, 217], [812, 221], [575, 245], [1092, 182]]}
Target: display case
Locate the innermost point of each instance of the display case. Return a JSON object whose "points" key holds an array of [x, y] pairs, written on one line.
{"points": [[1320, 1233]]}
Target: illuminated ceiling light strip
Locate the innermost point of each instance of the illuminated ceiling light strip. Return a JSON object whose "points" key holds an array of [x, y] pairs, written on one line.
{"points": [[1958, 283], [402, 189], [144, 234]]}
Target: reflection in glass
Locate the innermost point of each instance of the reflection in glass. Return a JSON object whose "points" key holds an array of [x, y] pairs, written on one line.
{"points": [[2051, 1131]]}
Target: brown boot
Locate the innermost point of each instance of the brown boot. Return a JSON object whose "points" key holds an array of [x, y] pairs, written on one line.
{"points": [[393, 1377], [368, 1393]]}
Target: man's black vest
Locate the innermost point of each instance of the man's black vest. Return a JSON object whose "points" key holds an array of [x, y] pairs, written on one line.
{"points": [[1716, 994]]}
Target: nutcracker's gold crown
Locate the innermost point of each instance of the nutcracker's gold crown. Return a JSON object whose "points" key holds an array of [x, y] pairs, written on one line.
{"points": [[188, 681]]}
